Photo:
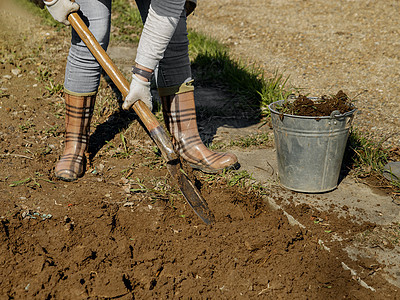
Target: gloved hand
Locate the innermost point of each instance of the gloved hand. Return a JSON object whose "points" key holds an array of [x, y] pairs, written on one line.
{"points": [[139, 90], [60, 9]]}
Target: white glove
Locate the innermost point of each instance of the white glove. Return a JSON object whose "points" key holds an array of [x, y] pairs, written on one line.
{"points": [[60, 9], [139, 90]]}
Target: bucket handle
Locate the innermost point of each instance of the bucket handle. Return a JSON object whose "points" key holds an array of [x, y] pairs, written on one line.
{"points": [[335, 114]]}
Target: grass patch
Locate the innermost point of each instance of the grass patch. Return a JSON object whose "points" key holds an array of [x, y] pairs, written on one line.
{"points": [[252, 140], [247, 83], [47, 78], [365, 156], [241, 179], [214, 65], [44, 15], [201, 44], [126, 22]]}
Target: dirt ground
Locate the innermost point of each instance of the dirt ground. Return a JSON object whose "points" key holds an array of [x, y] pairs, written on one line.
{"points": [[123, 231]]}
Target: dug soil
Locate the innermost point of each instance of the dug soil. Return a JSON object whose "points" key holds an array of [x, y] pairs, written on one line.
{"points": [[320, 107], [124, 231]]}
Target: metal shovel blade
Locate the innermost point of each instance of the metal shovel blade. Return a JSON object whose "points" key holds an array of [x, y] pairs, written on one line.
{"points": [[190, 192]]}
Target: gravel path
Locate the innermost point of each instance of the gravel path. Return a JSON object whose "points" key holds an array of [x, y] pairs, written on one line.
{"points": [[324, 46]]}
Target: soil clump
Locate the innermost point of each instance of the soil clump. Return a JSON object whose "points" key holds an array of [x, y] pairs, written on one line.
{"points": [[322, 106]]}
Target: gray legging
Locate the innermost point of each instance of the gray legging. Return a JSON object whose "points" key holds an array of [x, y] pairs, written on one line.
{"points": [[82, 74]]}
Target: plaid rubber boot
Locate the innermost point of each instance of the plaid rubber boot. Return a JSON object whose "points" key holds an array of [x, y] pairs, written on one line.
{"points": [[180, 119], [79, 110]]}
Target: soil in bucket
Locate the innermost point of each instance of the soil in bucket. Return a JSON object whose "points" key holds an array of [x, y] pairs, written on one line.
{"points": [[324, 106]]}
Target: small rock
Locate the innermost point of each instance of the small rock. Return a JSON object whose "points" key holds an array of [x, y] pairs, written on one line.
{"points": [[126, 189], [16, 72], [124, 180], [69, 226], [7, 76]]}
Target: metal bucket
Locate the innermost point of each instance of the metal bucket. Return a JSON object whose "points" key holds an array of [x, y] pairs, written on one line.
{"points": [[310, 150]]}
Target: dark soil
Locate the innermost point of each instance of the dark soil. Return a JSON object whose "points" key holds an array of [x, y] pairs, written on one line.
{"points": [[322, 106]]}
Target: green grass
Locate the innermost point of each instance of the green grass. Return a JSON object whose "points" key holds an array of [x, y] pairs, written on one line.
{"points": [[46, 77], [252, 140], [126, 22], [31, 182], [215, 66], [365, 156], [275, 89], [46, 18], [241, 179]]}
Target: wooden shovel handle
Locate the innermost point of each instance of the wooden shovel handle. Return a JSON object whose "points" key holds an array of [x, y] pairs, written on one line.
{"points": [[149, 120]]}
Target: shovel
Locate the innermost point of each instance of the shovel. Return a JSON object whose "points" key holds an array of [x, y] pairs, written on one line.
{"points": [[156, 132]]}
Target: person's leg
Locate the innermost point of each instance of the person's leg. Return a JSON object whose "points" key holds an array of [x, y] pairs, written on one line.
{"points": [[82, 78], [143, 6], [82, 74], [180, 119], [72, 163], [174, 69], [174, 81]]}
